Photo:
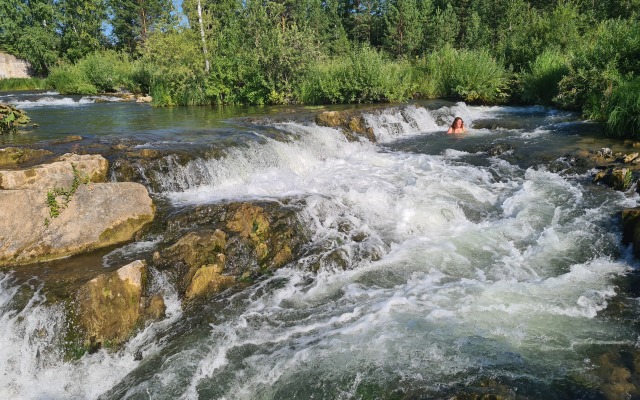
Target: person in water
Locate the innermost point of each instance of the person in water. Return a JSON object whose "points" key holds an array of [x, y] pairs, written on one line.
{"points": [[457, 126]]}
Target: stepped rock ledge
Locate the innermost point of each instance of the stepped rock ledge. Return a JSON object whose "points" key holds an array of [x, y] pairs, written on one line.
{"points": [[60, 209]]}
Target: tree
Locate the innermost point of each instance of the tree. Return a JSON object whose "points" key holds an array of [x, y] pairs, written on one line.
{"points": [[28, 30], [133, 20], [404, 27], [81, 27]]}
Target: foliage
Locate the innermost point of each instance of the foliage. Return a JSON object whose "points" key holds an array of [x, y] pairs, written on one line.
{"points": [[14, 84], [540, 83], [55, 208], [605, 59], [134, 20], [11, 118], [473, 76], [363, 77], [177, 77], [81, 27], [622, 110], [68, 79], [99, 72]]}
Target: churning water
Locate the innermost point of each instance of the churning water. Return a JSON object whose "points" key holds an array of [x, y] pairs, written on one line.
{"points": [[464, 271]]}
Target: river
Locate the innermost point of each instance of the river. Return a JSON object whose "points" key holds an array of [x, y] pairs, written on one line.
{"points": [[483, 262]]}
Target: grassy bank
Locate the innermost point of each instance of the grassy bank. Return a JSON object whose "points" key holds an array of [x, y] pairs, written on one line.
{"points": [[17, 84]]}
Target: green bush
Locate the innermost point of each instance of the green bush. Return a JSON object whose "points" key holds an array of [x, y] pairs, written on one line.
{"points": [[622, 110], [13, 84], [473, 76], [540, 83], [69, 79], [100, 72], [364, 76], [607, 57]]}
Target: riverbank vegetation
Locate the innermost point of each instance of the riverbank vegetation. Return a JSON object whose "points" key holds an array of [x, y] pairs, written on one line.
{"points": [[15, 84], [578, 55]]}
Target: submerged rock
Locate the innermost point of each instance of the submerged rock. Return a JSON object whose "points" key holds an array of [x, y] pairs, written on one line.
{"points": [[219, 246], [631, 228], [110, 306], [16, 156]]}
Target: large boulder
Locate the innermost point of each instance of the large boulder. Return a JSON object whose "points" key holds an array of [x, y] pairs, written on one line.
{"points": [[211, 248], [97, 215], [111, 306], [59, 174], [57, 210]]}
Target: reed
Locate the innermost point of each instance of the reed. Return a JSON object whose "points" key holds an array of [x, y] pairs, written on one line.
{"points": [[17, 84], [622, 110]]}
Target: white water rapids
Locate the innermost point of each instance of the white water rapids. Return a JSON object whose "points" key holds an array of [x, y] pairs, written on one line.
{"points": [[458, 272]]}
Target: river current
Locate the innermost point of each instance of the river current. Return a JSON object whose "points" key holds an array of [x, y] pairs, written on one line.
{"points": [[474, 271]]}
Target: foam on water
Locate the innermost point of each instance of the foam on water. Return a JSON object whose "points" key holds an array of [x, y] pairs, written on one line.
{"points": [[454, 272], [481, 267], [50, 101], [46, 102], [32, 364]]}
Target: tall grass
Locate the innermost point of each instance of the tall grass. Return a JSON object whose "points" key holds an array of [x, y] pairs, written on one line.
{"points": [[622, 110], [15, 84], [470, 75], [364, 76], [540, 84]]}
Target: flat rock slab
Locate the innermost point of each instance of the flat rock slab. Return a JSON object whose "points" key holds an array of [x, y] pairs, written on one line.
{"points": [[59, 174], [98, 215]]}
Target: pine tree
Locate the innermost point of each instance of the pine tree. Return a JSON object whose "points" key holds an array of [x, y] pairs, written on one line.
{"points": [[404, 28], [133, 20]]}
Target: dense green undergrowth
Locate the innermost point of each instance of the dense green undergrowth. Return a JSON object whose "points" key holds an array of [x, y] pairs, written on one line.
{"points": [[17, 84]]}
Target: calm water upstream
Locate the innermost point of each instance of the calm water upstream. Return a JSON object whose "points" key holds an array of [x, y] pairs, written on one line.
{"points": [[494, 274]]}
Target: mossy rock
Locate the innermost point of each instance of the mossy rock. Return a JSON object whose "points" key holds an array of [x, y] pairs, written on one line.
{"points": [[11, 118], [616, 178], [351, 123], [109, 306], [18, 156], [215, 247]]}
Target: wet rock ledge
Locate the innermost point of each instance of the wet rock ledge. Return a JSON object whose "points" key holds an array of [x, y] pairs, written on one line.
{"points": [[64, 208]]}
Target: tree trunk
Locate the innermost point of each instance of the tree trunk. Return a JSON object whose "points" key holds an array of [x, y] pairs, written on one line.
{"points": [[204, 42]]}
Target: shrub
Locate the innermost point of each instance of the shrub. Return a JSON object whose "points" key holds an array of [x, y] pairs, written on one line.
{"points": [[365, 76], [473, 76], [606, 58], [69, 79], [540, 83], [100, 72]]}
